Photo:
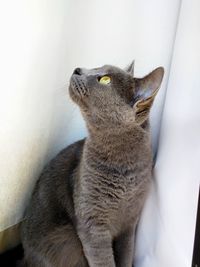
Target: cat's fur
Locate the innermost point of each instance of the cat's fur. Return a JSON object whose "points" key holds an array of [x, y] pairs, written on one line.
{"points": [[86, 204]]}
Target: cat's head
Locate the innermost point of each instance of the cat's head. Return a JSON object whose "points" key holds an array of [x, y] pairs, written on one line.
{"points": [[109, 96]]}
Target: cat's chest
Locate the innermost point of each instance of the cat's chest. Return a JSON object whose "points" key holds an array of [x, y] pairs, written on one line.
{"points": [[127, 211], [113, 199], [115, 186]]}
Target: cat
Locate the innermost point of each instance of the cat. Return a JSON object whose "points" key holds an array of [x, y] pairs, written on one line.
{"points": [[87, 202]]}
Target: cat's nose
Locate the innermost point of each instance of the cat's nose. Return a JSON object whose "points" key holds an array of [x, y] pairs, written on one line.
{"points": [[77, 71]]}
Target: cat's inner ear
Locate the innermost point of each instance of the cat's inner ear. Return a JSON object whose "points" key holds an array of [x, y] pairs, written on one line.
{"points": [[146, 90], [130, 68]]}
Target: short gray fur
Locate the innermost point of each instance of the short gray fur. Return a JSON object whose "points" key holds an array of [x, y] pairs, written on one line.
{"points": [[87, 202]]}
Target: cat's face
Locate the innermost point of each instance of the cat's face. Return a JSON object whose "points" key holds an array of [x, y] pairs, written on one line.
{"points": [[111, 96]]}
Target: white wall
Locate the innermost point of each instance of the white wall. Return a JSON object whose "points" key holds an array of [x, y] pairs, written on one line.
{"points": [[42, 41], [167, 227]]}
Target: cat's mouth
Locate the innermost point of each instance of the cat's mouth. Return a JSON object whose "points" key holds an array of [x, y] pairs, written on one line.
{"points": [[78, 86]]}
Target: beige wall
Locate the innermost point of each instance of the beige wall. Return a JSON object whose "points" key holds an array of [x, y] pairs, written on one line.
{"points": [[42, 41]]}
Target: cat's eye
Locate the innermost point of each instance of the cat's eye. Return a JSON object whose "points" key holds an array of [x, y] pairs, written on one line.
{"points": [[104, 80]]}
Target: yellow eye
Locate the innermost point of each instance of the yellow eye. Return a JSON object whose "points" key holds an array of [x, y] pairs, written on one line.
{"points": [[104, 80]]}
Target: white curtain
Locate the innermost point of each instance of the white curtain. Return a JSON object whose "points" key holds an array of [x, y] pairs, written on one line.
{"points": [[42, 42], [167, 227]]}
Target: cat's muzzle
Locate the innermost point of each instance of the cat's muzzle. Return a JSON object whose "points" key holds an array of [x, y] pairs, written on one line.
{"points": [[78, 86]]}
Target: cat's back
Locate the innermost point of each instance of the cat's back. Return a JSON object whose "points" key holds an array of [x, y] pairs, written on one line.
{"points": [[60, 169], [53, 194]]}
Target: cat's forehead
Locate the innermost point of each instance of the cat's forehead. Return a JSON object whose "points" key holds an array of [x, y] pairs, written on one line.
{"points": [[104, 70], [110, 69]]}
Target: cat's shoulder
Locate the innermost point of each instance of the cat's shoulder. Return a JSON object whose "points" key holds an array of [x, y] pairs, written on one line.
{"points": [[71, 152], [65, 161], [75, 149]]}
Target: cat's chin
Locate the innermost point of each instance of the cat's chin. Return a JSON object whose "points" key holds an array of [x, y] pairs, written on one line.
{"points": [[77, 87]]}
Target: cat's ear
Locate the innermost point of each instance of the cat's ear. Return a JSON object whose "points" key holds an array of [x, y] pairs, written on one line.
{"points": [[130, 68], [145, 92]]}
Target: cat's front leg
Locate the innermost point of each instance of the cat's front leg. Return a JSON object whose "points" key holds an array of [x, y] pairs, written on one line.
{"points": [[97, 246], [124, 248]]}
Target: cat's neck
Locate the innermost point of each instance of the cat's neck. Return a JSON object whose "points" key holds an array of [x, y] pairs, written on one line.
{"points": [[117, 145], [122, 132]]}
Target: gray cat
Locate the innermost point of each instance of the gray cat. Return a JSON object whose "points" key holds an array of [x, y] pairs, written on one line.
{"points": [[87, 202]]}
